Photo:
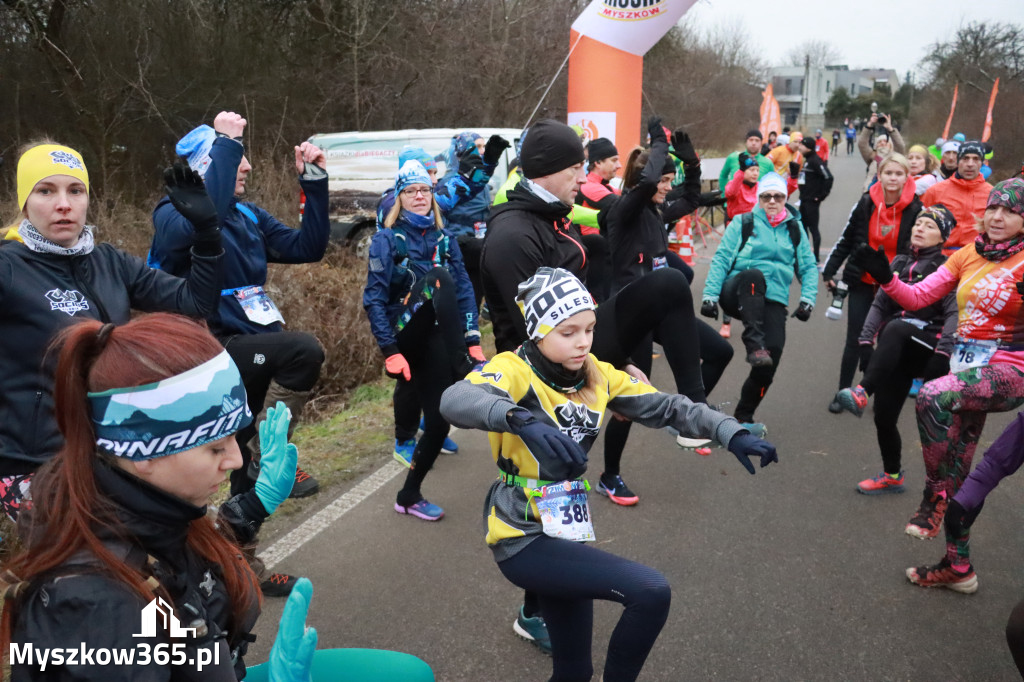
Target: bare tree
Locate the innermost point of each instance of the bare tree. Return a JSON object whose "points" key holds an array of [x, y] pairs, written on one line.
{"points": [[820, 53]]}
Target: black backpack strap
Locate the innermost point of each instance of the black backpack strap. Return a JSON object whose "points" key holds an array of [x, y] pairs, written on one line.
{"points": [[747, 229], [796, 233]]}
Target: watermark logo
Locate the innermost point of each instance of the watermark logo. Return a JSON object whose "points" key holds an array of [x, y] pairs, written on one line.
{"points": [[158, 615]]}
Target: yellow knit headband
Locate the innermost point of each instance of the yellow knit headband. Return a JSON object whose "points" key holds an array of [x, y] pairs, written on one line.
{"points": [[45, 160]]}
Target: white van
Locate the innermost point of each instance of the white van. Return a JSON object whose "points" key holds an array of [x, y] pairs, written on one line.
{"points": [[362, 165]]}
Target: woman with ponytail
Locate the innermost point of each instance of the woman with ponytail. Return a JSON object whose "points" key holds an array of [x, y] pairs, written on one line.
{"points": [[54, 273], [119, 516]]}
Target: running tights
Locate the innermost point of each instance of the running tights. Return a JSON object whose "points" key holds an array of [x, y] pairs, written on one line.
{"points": [[901, 355], [431, 341], [951, 413], [858, 304], [656, 307], [567, 577]]}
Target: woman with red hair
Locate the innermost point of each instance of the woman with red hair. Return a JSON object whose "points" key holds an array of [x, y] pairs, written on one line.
{"points": [[119, 516]]}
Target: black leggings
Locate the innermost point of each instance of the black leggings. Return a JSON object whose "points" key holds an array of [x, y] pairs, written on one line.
{"points": [[292, 359], [764, 326], [599, 272], [432, 343], [901, 355], [858, 304], [567, 577], [656, 307], [810, 214], [472, 248], [405, 400], [715, 352]]}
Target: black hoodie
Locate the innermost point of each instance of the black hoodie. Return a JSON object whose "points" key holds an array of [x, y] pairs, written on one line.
{"points": [[523, 234]]}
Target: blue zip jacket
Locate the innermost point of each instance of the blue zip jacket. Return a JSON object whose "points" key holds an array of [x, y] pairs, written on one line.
{"points": [[770, 250], [248, 245], [382, 309]]}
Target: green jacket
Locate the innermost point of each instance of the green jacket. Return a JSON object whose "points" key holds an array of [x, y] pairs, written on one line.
{"points": [[732, 164], [770, 250]]}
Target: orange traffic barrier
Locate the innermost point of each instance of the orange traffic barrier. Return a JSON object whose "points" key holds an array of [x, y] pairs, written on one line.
{"points": [[684, 239]]}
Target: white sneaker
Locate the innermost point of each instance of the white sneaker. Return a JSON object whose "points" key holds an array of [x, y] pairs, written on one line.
{"points": [[692, 443]]}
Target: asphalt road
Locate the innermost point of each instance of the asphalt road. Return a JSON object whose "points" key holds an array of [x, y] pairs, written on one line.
{"points": [[786, 575]]}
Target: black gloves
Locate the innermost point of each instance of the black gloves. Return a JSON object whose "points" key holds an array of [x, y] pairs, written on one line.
{"points": [[684, 148], [938, 366], [1020, 285], [496, 144], [709, 308], [471, 168], [866, 350], [852, 273], [188, 195], [959, 520], [875, 263], [745, 446], [794, 169], [542, 439], [655, 130], [803, 311]]}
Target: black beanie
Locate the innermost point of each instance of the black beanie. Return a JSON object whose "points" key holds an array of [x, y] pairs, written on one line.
{"points": [[669, 166], [971, 147], [549, 147], [754, 133], [810, 143], [942, 217], [600, 148]]}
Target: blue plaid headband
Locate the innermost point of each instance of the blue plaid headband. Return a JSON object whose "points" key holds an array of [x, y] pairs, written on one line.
{"points": [[179, 413]]}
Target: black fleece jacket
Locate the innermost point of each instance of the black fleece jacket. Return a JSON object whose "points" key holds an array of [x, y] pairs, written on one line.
{"points": [[636, 226], [41, 294], [523, 234]]}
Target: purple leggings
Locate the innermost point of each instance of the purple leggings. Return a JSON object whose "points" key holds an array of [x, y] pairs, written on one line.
{"points": [[951, 413]]}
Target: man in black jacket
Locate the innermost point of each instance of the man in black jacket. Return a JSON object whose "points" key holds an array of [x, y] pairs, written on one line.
{"points": [[815, 182]]}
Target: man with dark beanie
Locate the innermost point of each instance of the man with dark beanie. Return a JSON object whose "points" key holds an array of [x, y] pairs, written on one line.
{"points": [[602, 165], [815, 183], [732, 162], [965, 194]]}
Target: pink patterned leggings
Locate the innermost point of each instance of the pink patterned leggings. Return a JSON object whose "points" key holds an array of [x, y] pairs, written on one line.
{"points": [[951, 412]]}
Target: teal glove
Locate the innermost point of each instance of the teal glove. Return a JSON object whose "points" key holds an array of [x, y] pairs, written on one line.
{"points": [[278, 458], [291, 657]]}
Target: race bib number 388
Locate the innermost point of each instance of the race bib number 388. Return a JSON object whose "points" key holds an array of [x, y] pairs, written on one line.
{"points": [[564, 511]]}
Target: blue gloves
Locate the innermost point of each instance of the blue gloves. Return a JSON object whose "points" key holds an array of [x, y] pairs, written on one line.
{"points": [[542, 439], [745, 446], [278, 458], [291, 657]]}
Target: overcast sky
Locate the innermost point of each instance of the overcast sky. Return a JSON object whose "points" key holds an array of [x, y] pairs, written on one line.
{"points": [[867, 33]]}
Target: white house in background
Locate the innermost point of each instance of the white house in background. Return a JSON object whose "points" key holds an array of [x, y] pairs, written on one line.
{"points": [[803, 93]]}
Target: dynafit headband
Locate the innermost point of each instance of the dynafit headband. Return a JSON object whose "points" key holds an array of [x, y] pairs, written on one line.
{"points": [[550, 297], [179, 413]]}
